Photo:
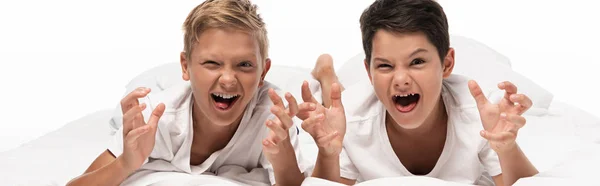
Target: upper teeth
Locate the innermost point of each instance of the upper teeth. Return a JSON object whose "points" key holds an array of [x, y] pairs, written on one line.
{"points": [[405, 95], [226, 96]]}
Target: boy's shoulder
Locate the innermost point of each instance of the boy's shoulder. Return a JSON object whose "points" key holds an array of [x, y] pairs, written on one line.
{"points": [[360, 102], [261, 98], [456, 87], [461, 106], [176, 98]]}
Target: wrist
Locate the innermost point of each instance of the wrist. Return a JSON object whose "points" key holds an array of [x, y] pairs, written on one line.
{"points": [[509, 149], [285, 154], [122, 165], [327, 153]]}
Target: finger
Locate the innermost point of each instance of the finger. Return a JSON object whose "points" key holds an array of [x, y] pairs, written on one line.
{"points": [[523, 103], [307, 94], [277, 129], [138, 118], [328, 138], [269, 146], [509, 87], [129, 118], [477, 94], [305, 109], [497, 137], [336, 96], [131, 99], [156, 114], [135, 134], [282, 117], [275, 98], [292, 105], [311, 122], [518, 121]]}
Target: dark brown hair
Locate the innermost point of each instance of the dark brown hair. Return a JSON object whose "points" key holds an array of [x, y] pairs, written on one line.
{"points": [[405, 16]]}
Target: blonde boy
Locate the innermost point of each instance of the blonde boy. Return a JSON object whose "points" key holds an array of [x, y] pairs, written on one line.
{"points": [[217, 119]]}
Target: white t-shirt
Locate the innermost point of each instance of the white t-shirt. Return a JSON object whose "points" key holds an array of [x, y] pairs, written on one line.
{"points": [[368, 154], [174, 136]]}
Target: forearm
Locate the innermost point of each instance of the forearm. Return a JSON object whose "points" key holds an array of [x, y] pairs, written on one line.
{"points": [[109, 175], [285, 165], [515, 165], [327, 167]]}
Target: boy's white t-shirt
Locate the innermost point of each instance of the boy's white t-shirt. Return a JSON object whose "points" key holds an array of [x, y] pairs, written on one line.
{"points": [[174, 137], [368, 154]]}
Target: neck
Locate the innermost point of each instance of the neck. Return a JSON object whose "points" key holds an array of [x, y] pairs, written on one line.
{"points": [[437, 119]]}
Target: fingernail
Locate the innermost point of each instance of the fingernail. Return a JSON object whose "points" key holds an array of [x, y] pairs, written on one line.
{"points": [[503, 115], [500, 84], [319, 116]]}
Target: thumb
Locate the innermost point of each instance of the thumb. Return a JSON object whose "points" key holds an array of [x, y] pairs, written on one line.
{"points": [[477, 94], [156, 114]]}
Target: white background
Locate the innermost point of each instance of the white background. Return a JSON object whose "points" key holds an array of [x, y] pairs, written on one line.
{"points": [[63, 59]]}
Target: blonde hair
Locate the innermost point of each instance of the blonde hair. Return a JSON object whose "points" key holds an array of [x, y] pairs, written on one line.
{"points": [[225, 14]]}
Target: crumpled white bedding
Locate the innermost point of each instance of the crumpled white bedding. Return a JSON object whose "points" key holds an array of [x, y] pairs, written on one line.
{"points": [[228, 175]]}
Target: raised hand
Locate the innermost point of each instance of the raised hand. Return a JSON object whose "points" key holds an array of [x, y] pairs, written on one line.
{"points": [[281, 124], [327, 126], [138, 136], [502, 121], [512, 102]]}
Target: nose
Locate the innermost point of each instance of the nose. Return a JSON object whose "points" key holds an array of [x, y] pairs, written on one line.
{"points": [[402, 80], [228, 79]]}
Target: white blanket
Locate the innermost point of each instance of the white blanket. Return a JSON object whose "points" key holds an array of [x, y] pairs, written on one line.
{"points": [[400, 181], [228, 175]]}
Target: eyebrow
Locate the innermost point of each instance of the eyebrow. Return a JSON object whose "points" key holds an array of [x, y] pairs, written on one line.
{"points": [[381, 59], [419, 50]]}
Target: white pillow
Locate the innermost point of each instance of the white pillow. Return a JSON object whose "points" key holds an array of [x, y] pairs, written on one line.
{"points": [[474, 60], [157, 78]]}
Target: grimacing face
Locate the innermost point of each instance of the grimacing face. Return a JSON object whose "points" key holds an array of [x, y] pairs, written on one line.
{"points": [[225, 71], [406, 73]]}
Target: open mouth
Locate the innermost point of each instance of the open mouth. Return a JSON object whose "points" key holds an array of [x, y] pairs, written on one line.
{"points": [[407, 102], [224, 101]]}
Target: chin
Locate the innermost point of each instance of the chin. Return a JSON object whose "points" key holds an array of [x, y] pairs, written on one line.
{"points": [[406, 122]]}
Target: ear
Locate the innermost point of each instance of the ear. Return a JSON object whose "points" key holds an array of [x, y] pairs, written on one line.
{"points": [[264, 73], [448, 63], [184, 67], [368, 69]]}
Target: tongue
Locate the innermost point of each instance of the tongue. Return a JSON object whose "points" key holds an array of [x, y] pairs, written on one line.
{"points": [[222, 105], [406, 108]]}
